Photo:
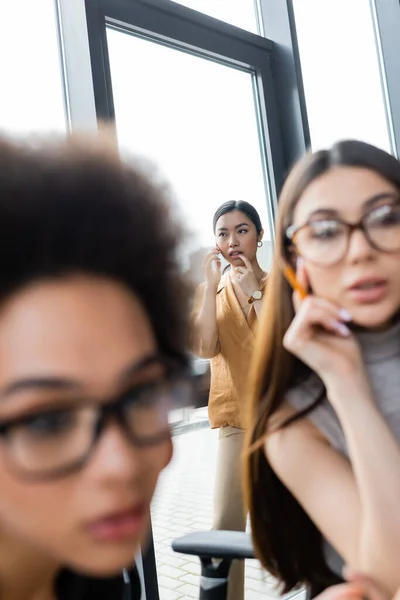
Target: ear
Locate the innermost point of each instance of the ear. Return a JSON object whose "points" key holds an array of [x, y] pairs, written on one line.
{"points": [[261, 235]]}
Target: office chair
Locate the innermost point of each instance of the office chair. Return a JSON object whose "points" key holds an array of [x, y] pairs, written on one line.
{"points": [[216, 550]]}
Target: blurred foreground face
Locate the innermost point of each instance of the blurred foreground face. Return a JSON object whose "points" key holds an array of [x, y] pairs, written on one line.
{"points": [[67, 344]]}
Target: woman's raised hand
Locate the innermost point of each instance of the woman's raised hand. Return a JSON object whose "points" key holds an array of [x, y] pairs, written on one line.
{"points": [[319, 335], [212, 268], [245, 277]]}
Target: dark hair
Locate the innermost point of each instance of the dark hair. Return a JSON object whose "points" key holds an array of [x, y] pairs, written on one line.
{"points": [[243, 207], [286, 540], [74, 206]]}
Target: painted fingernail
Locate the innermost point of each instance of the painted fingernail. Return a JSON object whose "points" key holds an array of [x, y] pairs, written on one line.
{"points": [[341, 328], [345, 315]]}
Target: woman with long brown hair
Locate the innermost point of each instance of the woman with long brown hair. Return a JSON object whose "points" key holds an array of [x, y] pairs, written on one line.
{"points": [[322, 472]]}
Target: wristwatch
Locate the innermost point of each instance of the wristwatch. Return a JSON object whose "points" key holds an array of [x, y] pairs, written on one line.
{"points": [[257, 295]]}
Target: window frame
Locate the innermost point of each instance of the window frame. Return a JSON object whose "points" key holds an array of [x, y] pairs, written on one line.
{"points": [[180, 27]]}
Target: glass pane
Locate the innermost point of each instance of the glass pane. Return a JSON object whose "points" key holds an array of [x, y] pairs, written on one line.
{"points": [[31, 96], [241, 13], [341, 72], [196, 119]]}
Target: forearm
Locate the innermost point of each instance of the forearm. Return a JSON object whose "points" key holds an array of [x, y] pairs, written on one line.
{"points": [[258, 304], [375, 457], [205, 325]]}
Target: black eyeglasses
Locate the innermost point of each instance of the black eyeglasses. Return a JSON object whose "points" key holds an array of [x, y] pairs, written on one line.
{"points": [[325, 240], [59, 440]]}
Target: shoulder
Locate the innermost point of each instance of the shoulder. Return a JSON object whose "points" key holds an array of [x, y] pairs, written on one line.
{"points": [[282, 432], [290, 448], [297, 399]]}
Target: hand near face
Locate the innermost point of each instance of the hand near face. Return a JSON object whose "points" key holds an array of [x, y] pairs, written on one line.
{"points": [[244, 277], [319, 336], [212, 268]]}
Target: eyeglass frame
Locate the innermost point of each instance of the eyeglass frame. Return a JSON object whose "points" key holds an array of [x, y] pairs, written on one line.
{"points": [[292, 230], [104, 412]]}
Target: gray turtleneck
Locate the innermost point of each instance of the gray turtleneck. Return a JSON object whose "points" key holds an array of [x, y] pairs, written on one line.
{"points": [[381, 352]]}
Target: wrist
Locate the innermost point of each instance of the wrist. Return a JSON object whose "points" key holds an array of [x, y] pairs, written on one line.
{"points": [[211, 288], [341, 387], [255, 296]]}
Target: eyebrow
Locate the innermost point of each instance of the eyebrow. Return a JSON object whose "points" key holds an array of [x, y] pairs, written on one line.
{"points": [[57, 383], [366, 204], [236, 227], [138, 367]]}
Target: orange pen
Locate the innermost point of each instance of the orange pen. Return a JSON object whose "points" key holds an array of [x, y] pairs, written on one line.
{"points": [[290, 276]]}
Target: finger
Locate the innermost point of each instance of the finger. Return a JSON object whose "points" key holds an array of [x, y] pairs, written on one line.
{"points": [[314, 313], [213, 267], [216, 264], [314, 310], [246, 262], [241, 270], [330, 308], [211, 256], [300, 333]]}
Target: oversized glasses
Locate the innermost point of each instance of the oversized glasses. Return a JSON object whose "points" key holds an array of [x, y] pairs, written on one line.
{"points": [[58, 440], [325, 240]]}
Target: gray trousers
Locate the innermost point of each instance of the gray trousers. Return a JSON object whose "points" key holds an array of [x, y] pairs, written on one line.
{"points": [[229, 510]]}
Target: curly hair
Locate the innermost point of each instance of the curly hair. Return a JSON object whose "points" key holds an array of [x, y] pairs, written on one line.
{"points": [[74, 206]]}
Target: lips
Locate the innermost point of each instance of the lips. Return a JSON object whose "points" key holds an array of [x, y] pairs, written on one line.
{"points": [[235, 254], [118, 526], [368, 290]]}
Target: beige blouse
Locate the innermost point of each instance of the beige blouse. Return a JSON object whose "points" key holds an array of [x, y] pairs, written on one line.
{"points": [[230, 354]]}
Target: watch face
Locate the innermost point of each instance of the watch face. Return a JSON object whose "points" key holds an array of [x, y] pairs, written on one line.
{"points": [[257, 295]]}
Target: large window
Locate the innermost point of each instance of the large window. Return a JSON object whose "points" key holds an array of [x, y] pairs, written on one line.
{"points": [[197, 120], [31, 97], [341, 71]]}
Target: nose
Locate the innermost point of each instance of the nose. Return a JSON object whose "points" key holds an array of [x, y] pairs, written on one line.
{"points": [[359, 249], [115, 459], [233, 241]]}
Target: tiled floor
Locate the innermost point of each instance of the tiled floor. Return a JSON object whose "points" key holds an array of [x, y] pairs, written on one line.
{"points": [[183, 503]]}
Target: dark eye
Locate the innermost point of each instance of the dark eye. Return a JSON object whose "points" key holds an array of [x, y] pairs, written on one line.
{"points": [[49, 423], [325, 230], [146, 396], [384, 215], [243, 230]]}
